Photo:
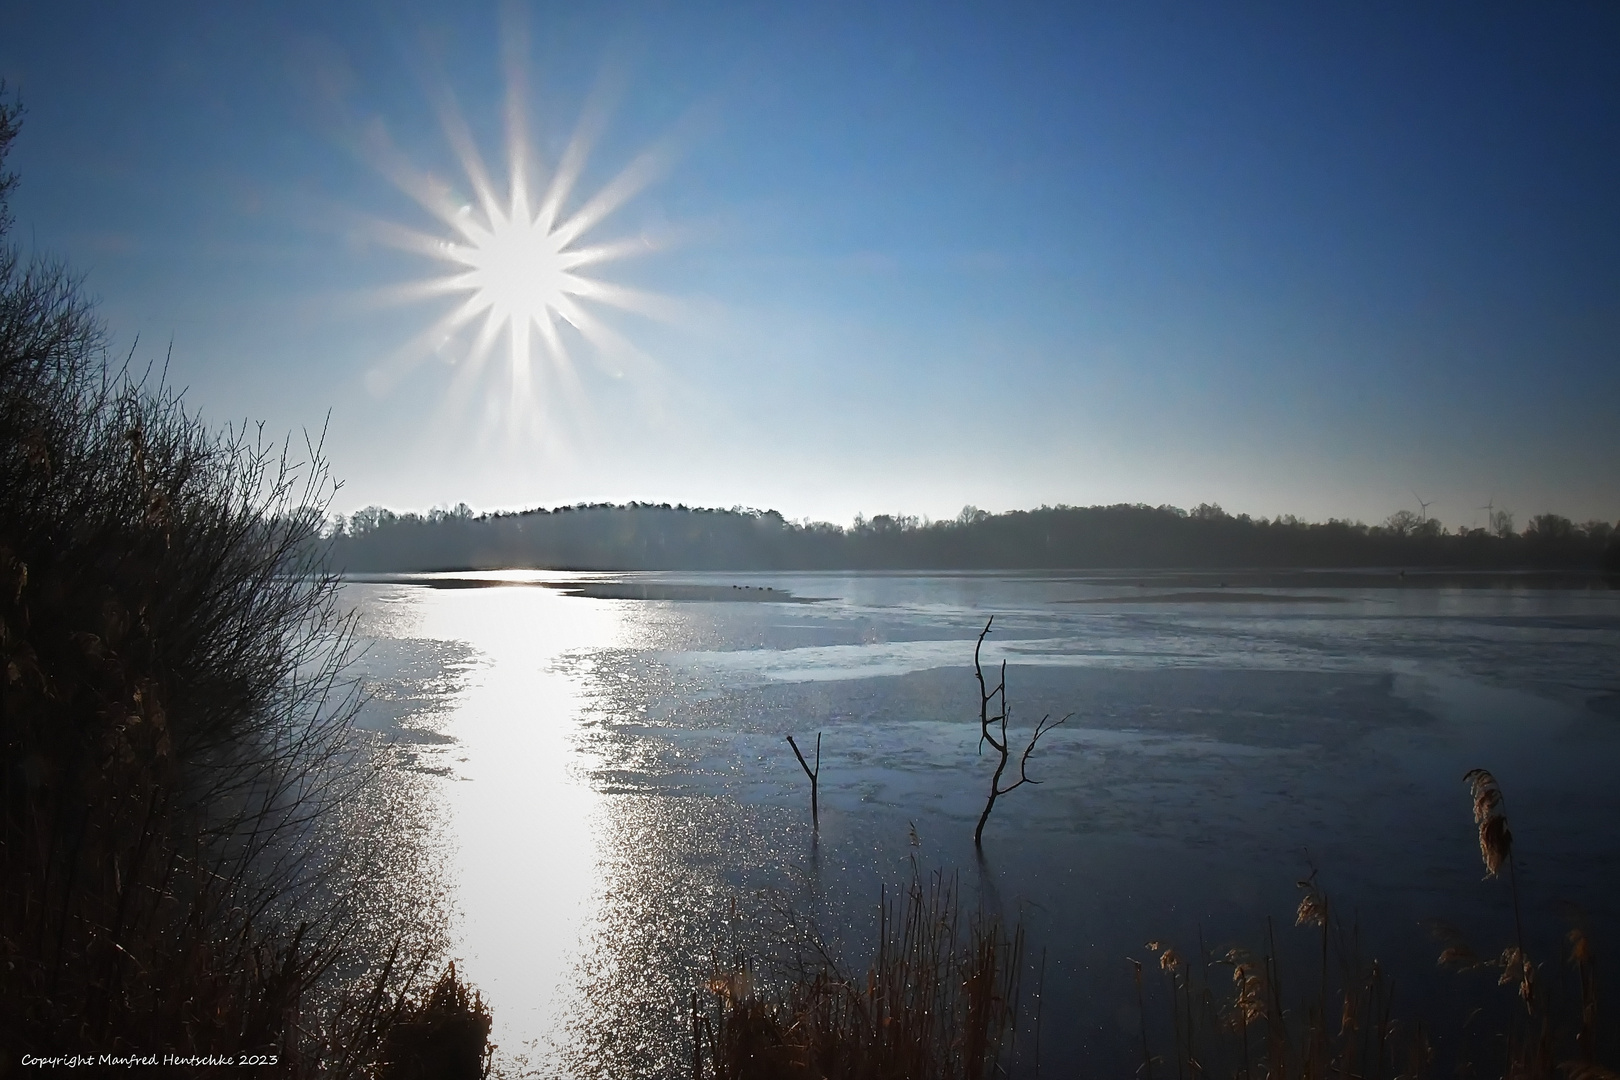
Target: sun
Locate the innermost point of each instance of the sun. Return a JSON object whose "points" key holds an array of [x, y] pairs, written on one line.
{"points": [[518, 261], [515, 268]]}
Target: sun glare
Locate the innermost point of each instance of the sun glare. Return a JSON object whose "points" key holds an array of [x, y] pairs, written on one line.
{"points": [[516, 269], [513, 259]]}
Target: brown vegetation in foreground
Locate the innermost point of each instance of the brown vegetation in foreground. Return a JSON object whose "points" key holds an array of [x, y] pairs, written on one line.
{"points": [[1344, 1027], [940, 1000], [444, 1036], [929, 1008]]}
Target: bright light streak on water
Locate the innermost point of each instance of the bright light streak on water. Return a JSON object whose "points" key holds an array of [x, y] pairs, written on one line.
{"points": [[615, 775], [521, 807]]}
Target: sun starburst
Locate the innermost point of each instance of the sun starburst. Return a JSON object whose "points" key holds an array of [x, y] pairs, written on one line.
{"points": [[514, 260]]}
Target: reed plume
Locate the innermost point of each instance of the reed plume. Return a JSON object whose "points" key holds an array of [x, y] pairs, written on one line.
{"points": [[1516, 967], [1495, 839], [1496, 848], [1580, 955], [1169, 959], [1348, 1031], [1312, 906], [1249, 985]]}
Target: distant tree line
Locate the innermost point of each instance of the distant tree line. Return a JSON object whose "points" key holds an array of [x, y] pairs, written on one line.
{"points": [[647, 536]]}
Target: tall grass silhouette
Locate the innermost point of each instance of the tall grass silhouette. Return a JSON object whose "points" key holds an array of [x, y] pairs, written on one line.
{"points": [[1343, 1023], [939, 1001]]}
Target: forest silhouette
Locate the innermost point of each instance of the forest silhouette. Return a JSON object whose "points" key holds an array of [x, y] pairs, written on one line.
{"points": [[646, 536]]}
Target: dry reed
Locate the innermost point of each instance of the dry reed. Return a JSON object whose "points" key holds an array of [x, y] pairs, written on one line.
{"points": [[444, 1036], [1495, 839], [939, 1002], [1345, 1027]]}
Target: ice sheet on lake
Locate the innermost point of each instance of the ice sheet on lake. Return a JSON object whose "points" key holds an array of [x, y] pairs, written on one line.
{"points": [[819, 663]]}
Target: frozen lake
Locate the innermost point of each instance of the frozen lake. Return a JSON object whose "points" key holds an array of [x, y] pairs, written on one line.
{"points": [[613, 774]]}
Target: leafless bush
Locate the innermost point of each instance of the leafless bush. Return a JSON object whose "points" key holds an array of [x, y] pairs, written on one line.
{"points": [[176, 717]]}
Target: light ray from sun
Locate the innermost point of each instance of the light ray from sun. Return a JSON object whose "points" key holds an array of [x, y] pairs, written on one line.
{"points": [[511, 258]]}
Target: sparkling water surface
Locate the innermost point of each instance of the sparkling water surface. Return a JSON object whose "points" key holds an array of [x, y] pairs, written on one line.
{"points": [[622, 811]]}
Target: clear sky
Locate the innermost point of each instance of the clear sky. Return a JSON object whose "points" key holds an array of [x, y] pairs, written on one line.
{"points": [[1291, 258]]}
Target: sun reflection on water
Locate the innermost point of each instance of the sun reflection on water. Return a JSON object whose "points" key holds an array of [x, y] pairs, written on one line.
{"points": [[620, 786], [521, 814]]}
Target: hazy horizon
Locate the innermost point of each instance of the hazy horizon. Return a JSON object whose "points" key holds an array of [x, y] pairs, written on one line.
{"points": [[1520, 518], [1334, 262]]}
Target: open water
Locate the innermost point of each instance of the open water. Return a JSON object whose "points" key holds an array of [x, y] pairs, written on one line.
{"points": [[620, 810]]}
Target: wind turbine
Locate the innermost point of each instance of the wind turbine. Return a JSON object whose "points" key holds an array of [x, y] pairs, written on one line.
{"points": [[1423, 507], [1490, 510]]}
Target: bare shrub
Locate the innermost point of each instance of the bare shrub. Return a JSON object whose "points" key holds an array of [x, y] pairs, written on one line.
{"points": [[176, 731]]}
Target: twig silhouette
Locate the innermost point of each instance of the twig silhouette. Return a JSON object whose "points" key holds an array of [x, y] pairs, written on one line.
{"points": [[987, 722], [814, 775]]}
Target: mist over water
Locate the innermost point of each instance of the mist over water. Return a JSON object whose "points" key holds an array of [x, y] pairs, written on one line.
{"points": [[615, 783]]}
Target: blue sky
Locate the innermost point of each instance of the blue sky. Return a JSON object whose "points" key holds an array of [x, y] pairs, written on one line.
{"points": [[1289, 258]]}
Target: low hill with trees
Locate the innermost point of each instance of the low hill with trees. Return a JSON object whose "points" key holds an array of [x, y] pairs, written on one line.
{"points": [[645, 536]]}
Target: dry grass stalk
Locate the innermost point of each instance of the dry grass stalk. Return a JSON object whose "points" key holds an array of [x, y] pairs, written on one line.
{"points": [[1518, 971], [444, 1036], [1343, 1030], [1580, 956], [1169, 959], [1496, 849], [1312, 909], [1364, 1040], [1175, 970], [939, 1001], [1249, 988]]}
